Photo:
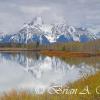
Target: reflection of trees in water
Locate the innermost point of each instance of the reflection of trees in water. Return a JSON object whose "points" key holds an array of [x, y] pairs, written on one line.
{"points": [[87, 60]]}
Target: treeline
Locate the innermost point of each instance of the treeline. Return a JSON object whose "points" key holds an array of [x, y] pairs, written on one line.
{"points": [[92, 46], [18, 45]]}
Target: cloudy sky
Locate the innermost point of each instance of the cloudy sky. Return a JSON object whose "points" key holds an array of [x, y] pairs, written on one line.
{"points": [[13, 13]]}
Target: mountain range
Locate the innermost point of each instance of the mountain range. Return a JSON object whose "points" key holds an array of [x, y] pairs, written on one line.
{"points": [[38, 31]]}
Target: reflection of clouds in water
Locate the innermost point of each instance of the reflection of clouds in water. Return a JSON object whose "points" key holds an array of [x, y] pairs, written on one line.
{"points": [[23, 71], [9, 75]]}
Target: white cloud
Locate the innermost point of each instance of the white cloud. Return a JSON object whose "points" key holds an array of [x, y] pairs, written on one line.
{"points": [[13, 13], [37, 10]]}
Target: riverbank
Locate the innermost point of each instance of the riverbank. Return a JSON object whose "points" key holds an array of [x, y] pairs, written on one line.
{"points": [[57, 53], [67, 54], [17, 49], [90, 93]]}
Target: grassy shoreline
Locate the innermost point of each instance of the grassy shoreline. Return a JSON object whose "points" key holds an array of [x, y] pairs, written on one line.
{"points": [[92, 81]]}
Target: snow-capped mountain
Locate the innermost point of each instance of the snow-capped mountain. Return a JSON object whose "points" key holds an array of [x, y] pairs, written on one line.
{"points": [[38, 31], [98, 35]]}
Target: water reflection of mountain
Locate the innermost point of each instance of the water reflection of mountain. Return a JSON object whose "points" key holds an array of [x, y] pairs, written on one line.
{"points": [[37, 65]]}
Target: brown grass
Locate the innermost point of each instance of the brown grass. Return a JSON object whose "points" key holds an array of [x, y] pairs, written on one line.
{"points": [[66, 54]]}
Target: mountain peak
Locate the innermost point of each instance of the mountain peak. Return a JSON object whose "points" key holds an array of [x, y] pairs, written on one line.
{"points": [[36, 21]]}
